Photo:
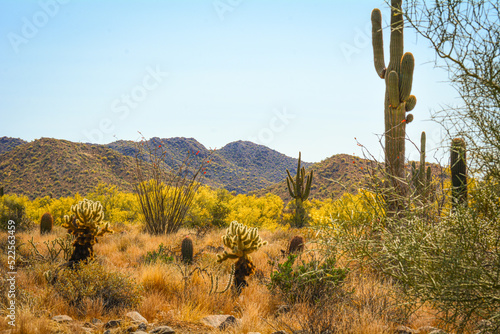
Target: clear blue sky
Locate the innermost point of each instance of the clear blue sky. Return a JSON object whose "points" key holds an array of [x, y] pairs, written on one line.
{"points": [[289, 74]]}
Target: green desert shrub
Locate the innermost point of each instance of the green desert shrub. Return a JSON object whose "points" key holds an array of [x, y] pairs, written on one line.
{"points": [[309, 281], [13, 208], [162, 254], [451, 264], [92, 281]]}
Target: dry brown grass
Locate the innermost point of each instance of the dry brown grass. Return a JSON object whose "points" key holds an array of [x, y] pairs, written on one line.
{"points": [[172, 296]]}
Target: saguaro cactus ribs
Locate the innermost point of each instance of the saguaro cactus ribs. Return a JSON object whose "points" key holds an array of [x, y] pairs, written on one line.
{"points": [[398, 80]]}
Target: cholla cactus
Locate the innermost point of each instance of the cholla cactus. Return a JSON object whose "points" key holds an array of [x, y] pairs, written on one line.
{"points": [[85, 224], [241, 240]]}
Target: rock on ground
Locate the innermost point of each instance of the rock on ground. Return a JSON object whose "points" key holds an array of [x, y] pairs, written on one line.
{"points": [[162, 330], [62, 318], [136, 317], [221, 321]]}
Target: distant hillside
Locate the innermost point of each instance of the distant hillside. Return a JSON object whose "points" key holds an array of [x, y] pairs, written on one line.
{"points": [[61, 168], [332, 177], [240, 166], [7, 143], [337, 175], [175, 149]]}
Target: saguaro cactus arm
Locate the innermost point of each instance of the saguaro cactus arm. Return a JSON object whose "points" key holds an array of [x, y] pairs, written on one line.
{"points": [[309, 179], [406, 76], [291, 185], [396, 44], [411, 102], [378, 43]]}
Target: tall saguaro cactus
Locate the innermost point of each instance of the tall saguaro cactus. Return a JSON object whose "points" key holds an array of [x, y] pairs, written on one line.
{"points": [[398, 77], [299, 190], [458, 165]]}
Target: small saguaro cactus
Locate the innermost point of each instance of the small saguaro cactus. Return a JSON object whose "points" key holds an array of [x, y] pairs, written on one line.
{"points": [[398, 80], [421, 178], [187, 250], [241, 240], [46, 223], [458, 165], [299, 190], [296, 244], [85, 224]]}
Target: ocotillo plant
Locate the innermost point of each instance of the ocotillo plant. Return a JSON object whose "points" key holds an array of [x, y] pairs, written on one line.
{"points": [[398, 80], [420, 178], [85, 224], [299, 190], [46, 223], [458, 165], [241, 240]]}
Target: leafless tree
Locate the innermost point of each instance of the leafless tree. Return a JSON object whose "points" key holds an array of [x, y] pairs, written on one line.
{"points": [[466, 37]]}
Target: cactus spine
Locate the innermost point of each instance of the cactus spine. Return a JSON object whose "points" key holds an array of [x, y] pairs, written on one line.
{"points": [[85, 224], [299, 190], [458, 165], [398, 79], [187, 250], [242, 241], [46, 223]]}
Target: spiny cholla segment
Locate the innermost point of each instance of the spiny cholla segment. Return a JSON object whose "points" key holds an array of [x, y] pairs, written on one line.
{"points": [[87, 218], [241, 240]]}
